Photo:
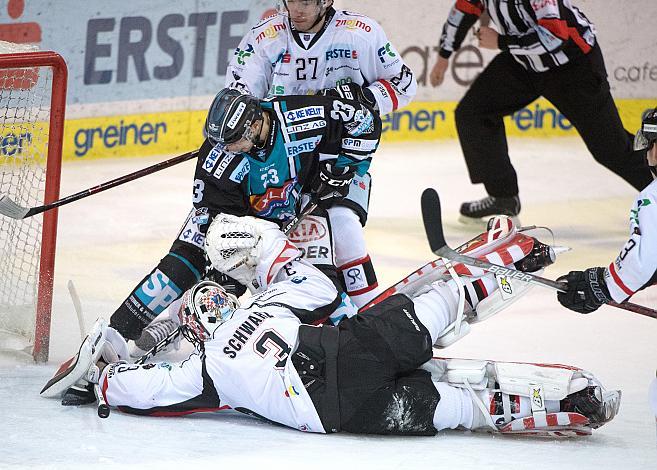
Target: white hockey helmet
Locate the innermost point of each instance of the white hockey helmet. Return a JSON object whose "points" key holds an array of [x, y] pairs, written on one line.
{"points": [[205, 307]]}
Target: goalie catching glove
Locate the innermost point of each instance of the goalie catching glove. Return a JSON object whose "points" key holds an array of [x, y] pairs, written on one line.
{"points": [[586, 290], [250, 250]]}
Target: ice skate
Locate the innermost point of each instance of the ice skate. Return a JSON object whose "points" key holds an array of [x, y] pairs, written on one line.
{"points": [[152, 335], [478, 212]]}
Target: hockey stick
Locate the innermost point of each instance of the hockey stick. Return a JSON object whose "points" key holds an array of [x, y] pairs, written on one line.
{"points": [[11, 209], [431, 216], [77, 305]]}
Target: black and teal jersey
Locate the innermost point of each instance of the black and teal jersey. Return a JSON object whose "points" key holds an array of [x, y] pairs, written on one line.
{"points": [[268, 182]]}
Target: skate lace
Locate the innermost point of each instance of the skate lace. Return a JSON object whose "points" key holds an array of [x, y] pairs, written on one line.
{"points": [[482, 204], [154, 333]]}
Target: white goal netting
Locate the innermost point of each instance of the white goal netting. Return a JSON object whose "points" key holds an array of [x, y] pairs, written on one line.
{"points": [[24, 116]]}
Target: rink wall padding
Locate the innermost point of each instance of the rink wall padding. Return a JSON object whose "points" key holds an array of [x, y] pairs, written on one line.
{"points": [[177, 132], [141, 75]]}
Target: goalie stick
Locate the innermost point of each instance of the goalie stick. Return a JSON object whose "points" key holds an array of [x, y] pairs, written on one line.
{"points": [[10, 208], [431, 216]]}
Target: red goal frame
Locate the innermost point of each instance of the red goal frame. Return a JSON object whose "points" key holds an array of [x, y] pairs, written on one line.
{"points": [[30, 60]]}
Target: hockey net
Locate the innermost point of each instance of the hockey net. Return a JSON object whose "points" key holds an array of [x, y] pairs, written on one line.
{"points": [[32, 106]]}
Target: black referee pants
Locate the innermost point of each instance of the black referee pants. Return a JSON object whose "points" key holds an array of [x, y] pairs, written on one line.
{"points": [[579, 90]]}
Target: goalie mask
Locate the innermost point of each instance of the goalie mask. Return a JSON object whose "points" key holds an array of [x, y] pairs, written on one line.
{"points": [[205, 307], [230, 117]]}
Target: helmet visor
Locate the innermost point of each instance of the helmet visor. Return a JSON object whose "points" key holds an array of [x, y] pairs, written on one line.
{"points": [[640, 141]]}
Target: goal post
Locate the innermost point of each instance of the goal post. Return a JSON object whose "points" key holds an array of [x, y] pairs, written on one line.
{"points": [[32, 110]]}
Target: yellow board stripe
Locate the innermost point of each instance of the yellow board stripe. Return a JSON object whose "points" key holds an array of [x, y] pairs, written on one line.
{"points": [[170, 133]]}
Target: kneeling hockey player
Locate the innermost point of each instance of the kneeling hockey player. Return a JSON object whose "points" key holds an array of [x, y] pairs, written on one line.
{"points": [[363, 376], [264, 158]]}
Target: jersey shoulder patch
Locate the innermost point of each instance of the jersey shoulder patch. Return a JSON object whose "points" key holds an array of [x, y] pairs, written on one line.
{"points": [[270, 30], [356, 23], [226, 166]]}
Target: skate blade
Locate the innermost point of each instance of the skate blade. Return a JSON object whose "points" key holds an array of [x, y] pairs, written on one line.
{"points": [[483, 221]]}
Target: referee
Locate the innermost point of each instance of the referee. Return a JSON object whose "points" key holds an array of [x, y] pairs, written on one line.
{"points": [[549, 49]]}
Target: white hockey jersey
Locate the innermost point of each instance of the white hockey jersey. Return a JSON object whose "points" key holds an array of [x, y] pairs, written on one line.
{"points": [[636, 265], [248, 357], [274, 59]]}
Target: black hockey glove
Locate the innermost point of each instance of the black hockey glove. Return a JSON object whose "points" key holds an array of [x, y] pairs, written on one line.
{"points": [[587, 290], [333, 184], [231, 285], [353, 91]]}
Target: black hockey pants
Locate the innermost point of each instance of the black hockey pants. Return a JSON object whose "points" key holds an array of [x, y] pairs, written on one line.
{"points": [[579, 90]]}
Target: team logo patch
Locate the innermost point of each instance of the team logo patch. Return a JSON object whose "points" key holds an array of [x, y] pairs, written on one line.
{"points": [[506, 289], [359, 144], [241, 171], [309, 229], [306, 126], [236, 117], [211, 159], [302, 146], [304, 113], [157, 292], [201, 216], [223, 164], [274, 198]]}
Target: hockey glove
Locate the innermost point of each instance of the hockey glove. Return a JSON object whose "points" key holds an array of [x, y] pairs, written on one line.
{"points": [[586, 291], [333, 184], [353, 91]]}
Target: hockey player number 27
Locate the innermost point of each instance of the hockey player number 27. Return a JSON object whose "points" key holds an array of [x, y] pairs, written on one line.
{"points": [[301, 69], [270, 342]]}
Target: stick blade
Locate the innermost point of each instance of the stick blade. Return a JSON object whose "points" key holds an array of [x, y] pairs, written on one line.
{"points": [[431, 216], [10, 209]]}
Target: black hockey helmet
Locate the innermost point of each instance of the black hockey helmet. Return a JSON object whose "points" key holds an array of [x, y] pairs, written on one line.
{"points": [[647, 135], [230, 117]]}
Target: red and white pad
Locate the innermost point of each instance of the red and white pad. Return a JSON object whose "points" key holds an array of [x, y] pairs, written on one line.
{"points": [[542, 386]]}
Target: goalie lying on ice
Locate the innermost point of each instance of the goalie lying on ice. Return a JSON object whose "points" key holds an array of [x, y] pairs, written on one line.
{"points": [[373, 373]]}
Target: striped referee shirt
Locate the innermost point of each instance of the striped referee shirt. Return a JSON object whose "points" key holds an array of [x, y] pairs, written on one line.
{"points": [[540, 34]]}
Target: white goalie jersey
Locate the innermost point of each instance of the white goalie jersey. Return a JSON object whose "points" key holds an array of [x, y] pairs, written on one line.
{"points": [[636, 265], [247, 358], [273, 59]]}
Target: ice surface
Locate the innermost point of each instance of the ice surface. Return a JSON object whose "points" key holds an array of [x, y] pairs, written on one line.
{"points": [[109, 241]]}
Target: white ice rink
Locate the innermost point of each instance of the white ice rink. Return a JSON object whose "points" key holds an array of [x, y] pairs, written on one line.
{"points": [[109, 241]]}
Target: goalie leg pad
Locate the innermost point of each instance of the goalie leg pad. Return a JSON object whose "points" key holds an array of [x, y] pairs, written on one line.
{"points": [[539, 399]]}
